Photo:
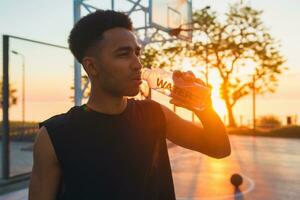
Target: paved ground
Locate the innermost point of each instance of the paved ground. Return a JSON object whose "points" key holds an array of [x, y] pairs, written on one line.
{"points": [[269, 166], [19, 195], [20, 157]]}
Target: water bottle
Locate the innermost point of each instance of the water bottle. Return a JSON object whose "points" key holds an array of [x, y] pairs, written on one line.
{"points": [[193, 93]]}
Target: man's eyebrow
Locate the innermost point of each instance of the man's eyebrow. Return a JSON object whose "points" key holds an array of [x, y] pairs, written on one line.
{"points": [[127, 48]]}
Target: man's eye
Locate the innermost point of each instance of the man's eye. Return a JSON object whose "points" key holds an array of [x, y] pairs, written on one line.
{"points": [[123, 54]]}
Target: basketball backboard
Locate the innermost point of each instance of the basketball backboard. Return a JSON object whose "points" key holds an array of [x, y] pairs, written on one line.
{"points": [[166, 15]]}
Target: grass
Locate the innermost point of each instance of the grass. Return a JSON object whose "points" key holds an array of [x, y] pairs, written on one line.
{"points": [[16, 130], [285, 132]]}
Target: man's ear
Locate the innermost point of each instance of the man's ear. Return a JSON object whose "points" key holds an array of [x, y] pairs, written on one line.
{"points": [[89, 65]]}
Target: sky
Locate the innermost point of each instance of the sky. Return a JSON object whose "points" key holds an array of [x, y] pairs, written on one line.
{"points": [[51, 20]]}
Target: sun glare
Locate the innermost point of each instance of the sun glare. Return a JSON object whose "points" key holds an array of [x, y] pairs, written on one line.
{"points": [[215, 80]]}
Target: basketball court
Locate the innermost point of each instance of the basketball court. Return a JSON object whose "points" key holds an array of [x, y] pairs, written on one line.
{"points": [[269, 167]]}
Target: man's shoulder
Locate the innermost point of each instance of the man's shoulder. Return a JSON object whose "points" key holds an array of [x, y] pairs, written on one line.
{"points": [[58, 120], [147, 103], [149, 107]]}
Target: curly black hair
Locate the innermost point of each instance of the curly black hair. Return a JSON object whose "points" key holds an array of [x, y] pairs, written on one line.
{"points": [[89, 29]]}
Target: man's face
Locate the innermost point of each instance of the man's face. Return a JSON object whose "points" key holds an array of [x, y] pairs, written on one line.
{"points": [[117, 63]]}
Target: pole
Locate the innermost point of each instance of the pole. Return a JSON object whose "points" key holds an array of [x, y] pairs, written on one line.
{"points": [[113, 4], [23, 89], [241, 120], [254, 104], [206, 66], [77, 67], [23, 93], [5, 105]]}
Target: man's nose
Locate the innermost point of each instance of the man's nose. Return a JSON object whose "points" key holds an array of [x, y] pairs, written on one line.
{"points": [[136, 63]]}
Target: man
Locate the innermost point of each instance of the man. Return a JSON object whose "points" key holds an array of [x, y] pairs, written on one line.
{"points": [[113, 147]]}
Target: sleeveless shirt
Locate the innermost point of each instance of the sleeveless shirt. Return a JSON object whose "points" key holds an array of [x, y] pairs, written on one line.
{"points": [[112, 156]]}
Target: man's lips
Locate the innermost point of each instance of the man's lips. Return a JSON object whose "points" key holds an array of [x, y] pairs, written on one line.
{"points": [[137, 77]]}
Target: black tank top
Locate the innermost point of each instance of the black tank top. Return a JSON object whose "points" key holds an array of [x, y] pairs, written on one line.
{"points": [[103, 156]]}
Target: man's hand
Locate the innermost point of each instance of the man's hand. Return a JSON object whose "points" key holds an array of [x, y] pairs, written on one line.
{"points": [[190, 92]]}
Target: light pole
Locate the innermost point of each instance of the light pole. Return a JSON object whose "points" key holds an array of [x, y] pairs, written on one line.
{"points": [[254, 102], [23, 87]]}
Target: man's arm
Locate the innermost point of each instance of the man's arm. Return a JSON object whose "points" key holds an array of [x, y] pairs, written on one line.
{"points": [[211, 140], [46, 172]]}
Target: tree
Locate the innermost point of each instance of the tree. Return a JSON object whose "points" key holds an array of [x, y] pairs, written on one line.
{"points": [[239, 48], [149, 56], [235, 45], [12, 96]]}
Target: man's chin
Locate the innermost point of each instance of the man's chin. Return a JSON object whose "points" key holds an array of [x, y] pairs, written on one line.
{"points": [[132, 93]]}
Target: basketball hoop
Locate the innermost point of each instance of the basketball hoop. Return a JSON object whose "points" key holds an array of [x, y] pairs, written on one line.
{"points": [[176, 31], [173, 17]]}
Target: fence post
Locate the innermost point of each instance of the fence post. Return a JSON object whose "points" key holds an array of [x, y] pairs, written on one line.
{"points": [[5, 105]]}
